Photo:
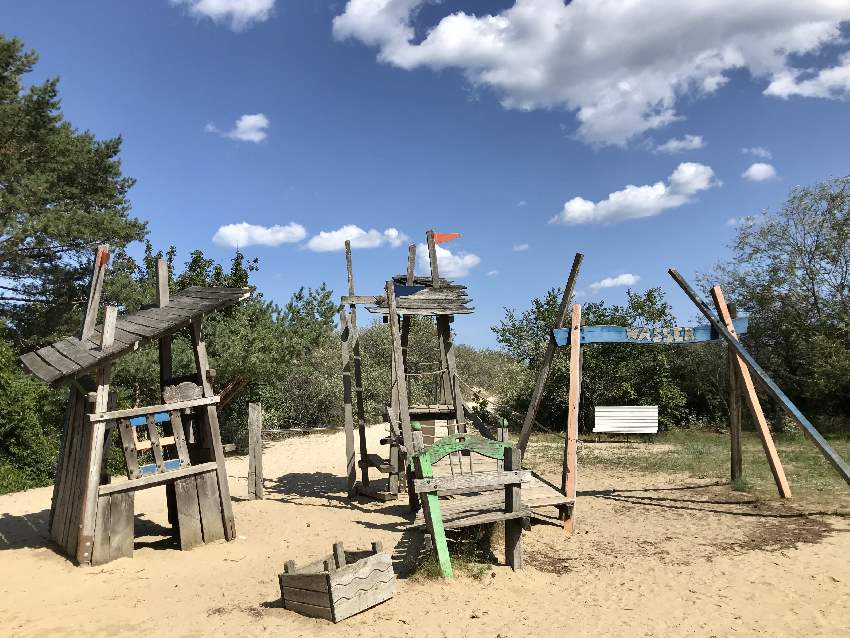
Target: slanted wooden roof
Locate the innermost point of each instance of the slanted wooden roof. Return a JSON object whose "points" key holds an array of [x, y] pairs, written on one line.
{"points": [[422, 298], [70, 357]]}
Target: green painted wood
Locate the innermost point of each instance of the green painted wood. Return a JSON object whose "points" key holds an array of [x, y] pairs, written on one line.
{"points": [[433, 515], [462, 442]]}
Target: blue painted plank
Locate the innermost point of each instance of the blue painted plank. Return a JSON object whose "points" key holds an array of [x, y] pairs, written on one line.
{"points": [[150, 468], [647, 336], [159, 417]]}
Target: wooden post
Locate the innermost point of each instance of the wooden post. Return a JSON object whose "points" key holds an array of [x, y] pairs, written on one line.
{"points": [[543, 371], [432, 257], [255, 451], [400, 381], [513, 503], [433, 516], [212, 435], [734, 383], [101, 260], [753, 402], [821, 443], [85, 543], [358, 372], [447, 350], [568, 476], [348, 413], [162, 298]]}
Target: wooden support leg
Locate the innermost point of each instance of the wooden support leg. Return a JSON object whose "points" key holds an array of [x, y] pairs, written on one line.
{"points": [[348, 411], [753, 402], [735, 460], [513, 502], [568, 477], [255, 451], [434, 518]]}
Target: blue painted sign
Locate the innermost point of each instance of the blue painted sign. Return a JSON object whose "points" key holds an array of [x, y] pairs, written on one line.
{"points": [[647, 336]]}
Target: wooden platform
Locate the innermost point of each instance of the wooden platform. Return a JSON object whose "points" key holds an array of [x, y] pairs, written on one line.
{"points": [[540, 499]]}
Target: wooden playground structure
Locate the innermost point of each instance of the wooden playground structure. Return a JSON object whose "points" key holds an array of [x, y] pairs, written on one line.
{"points": [[175, 443]]}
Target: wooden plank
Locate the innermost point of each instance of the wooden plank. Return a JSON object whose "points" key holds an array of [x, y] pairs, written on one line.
{"points": [[153, 409], [128, 443], [156, 479], [57, 500], [513, 504], [156, 447], [735, 409], [56, 359], [100, 549], [188, 513], [838, 464], [432, 259], [255, 451], [400, 381], [425, 312], [305, 596], [433, 516], [143, 332], [209, 503], [179, 436], [568, 475], [311, 582], [71, 348], [121, 522], [375, 592], [543, 371], [445, 331], [39, 367], [339, 555], [471, 482], [358, 299], [753, 402]]}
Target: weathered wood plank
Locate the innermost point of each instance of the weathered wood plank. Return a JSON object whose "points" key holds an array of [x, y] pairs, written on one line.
{"points": [[255, 451], [568, 475], [39, 367], [121, 532], [153, 409], [513, 503], [471, 482], [100, 548], [312, 582], [305, 596], [157, 479], [209, 502], [71, 348], [56, 359], [155, 445], [309, 610], [188, 513], [734, 408]]}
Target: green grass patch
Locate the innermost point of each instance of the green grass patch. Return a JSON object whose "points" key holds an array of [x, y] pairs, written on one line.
{"points": [[705, 455], [470, 550]]}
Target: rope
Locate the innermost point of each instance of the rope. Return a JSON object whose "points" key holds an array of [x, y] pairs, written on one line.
{"points": [[423, 374]]}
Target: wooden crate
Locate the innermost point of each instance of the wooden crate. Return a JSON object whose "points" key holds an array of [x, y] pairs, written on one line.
{"points": [[340, 585]]}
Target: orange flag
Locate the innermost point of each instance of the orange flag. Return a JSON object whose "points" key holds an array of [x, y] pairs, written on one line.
{"points": [[442, 238]]}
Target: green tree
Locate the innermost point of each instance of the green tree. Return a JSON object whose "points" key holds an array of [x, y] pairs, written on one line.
{"points": [[61, 193], [790, 271]]}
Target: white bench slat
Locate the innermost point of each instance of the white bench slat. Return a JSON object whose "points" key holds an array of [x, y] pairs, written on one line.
{"points": [[626, 419]]}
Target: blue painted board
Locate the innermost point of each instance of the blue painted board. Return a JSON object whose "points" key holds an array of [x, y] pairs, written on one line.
{"points": [[647, 336], [159, 417], [150, 468]]}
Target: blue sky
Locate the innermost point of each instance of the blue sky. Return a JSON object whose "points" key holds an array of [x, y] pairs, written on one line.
{"points": [[491, 119]]}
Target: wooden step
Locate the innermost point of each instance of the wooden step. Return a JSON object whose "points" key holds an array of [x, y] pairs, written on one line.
{"points": [[375, 461]]}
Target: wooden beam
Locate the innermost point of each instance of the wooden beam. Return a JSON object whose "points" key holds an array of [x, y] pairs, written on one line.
{"points": [[753, 402], [400, 381], [568, 476], [543, 371], [101, 261], [348, 409], [152, 409], [411, 264], [432, 257], [735, 412], [512, 462], [156, 479], [821, 443], [163, 296]]}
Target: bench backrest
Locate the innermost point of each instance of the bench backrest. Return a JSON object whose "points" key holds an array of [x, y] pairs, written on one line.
{"points": [[626, 419]]}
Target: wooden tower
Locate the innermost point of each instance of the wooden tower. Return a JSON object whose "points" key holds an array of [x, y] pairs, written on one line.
{"points": [[91, 518]]}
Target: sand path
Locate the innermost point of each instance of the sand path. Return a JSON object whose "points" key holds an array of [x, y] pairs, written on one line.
{"points": [[657, 556]]}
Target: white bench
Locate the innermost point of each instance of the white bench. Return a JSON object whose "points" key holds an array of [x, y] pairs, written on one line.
{"points": [[626, 419]]}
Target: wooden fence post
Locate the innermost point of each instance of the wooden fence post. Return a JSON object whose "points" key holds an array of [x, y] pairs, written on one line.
{"points": [[736, 470], [255, 451]]}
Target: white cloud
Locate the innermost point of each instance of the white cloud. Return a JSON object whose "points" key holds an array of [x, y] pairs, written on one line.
{"points": [[626, 279], [522, 202], [492, 273], [622, 67], [681, 144], [759, 172], [757, 151], [518, 248], [248, 128], [246, 234], [634, 202], [237, 14], [448, 263], [329, 240], [832, 82]]}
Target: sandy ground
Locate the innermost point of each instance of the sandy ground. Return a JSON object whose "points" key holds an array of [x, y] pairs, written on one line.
{"points": [[653, 556]]}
